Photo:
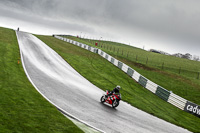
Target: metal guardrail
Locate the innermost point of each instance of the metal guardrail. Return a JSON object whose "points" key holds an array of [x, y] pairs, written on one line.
{"points": [[177, 101], [164, 94]]}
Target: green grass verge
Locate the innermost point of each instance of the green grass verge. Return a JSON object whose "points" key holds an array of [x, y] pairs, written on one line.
{"points": [[22, 108], [106, 76]]}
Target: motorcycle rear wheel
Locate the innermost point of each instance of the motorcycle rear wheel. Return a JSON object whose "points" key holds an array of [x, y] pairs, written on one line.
{"points": [[115, 103]]}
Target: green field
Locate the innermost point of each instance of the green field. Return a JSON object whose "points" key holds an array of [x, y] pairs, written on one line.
{"points": [[22, 108], [173, 64], [182, 85], [106, 76]]}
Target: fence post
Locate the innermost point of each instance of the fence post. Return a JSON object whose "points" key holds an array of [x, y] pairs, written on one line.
{"points": [[127, 54], [122, 51], [147, 60], [136, 57], [198, 76], [163, 65]]}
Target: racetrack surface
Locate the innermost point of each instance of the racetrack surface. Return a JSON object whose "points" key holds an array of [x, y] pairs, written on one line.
{"points": [[66, 88]]}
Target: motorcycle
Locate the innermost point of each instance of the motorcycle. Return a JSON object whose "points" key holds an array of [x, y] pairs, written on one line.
{"points": [[113, 99]]}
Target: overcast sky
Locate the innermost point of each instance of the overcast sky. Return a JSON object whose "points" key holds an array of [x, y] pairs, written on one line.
{"points": [[169, 25]]}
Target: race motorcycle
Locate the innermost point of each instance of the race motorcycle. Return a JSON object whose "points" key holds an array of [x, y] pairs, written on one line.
{"points": [[113, 99]]}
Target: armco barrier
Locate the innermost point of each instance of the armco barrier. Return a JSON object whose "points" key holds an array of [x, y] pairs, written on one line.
{"points": [[142, 81], [164, 94], [177, 101], [125, 68], [192, 108], [136, 76], [151, 86], [112, 60], [130, 71], [120, 64]]}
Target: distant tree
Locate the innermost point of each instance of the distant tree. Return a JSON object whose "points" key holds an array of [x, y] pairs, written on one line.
{"points": [[196, 58], [187, 56], [178, 55]]}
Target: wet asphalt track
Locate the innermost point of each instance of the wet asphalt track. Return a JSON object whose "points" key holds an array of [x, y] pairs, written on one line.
{"points": [[66, 88]]}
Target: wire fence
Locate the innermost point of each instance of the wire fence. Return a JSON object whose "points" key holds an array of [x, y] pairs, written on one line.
{"points": [[147, 61], [117, 51]]}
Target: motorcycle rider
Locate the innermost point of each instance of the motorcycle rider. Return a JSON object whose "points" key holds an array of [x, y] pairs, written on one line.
{"points": [[115, 90]]}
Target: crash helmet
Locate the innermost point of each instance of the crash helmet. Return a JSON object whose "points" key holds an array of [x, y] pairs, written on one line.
{"points": [[118, 87]]}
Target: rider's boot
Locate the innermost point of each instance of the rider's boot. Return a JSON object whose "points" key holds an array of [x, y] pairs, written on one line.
{"points": [[106, 96]]}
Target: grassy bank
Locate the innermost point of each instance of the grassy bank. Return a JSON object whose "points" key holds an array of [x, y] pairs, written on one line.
{"points": [[182, 85], [106, 76], [22, 108], [154, 59], [183, 67]]}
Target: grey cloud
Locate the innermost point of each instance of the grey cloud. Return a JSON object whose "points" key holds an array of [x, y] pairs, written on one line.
{"points": [[174, 20], [45, 22]]}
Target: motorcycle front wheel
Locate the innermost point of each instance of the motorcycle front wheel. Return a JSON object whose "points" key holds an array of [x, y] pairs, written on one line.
{"points": [[102, 99]]}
